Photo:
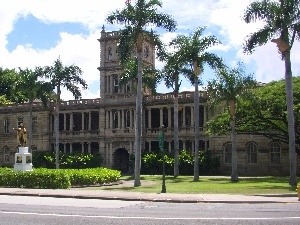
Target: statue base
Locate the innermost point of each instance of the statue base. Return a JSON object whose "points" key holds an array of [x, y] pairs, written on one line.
{"points": [[23, 160]]}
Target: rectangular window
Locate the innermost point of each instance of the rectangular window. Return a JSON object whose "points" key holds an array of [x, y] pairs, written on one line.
{"points": [[127, 119], [34, 125], [6, 126], [252, 153], [227, 153], [6, 155], [116, 83], [275, 153], [20, 120], [115, 119]]}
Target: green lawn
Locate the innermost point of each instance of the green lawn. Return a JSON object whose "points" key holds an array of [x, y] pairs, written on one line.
{"points": [[211, 185]]}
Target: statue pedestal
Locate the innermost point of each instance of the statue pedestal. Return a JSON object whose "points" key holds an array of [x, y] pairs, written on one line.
{"points": [[23, 160]]}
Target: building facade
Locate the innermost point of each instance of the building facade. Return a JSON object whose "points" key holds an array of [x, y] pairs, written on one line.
{"points": [[106, 125]]}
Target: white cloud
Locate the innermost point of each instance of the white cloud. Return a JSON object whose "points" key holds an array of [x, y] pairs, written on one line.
{"points": [[222, 18]]}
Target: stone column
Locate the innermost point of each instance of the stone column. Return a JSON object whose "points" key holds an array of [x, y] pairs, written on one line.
{"points": [[82, 120], [90, 120], [106, 119], [71, 122], [89, 147], [65, 121], [183, 116], [119, 119], [111, 119], [192, 117], [122, 119], [149, 118], [161, 117], [169, 117], [82, 147], [111, 154]]}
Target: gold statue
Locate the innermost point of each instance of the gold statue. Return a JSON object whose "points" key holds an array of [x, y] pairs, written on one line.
{"points": [[21, 135]]}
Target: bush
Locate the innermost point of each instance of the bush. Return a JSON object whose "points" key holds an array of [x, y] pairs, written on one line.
{"points": [[46, 159], [208, 164], [56, 179]]}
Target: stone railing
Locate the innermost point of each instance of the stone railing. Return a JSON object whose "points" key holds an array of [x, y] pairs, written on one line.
{"points": [[39, 105], [182, 96]]}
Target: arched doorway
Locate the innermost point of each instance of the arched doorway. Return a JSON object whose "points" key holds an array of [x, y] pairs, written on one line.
{"points": [[121, 160]]}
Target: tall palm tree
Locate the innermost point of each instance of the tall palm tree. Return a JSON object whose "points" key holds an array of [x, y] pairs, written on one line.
{"points": [[33, 89], [170, 73], [151, 76], [171, 77], [136, 17], [69, 78], [281, 25], [229, 86], [191, 50]]}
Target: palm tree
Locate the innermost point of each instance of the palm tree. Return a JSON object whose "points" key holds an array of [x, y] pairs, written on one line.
{"points": [[170, 73], [68, 77], [171, 77], [191, 51], [33, 89], [281, 18], [136, 17], [229, 86], [151, 76]]}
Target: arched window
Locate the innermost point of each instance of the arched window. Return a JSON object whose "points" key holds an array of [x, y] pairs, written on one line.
{"points": [[227, 152], [275, 153], [115, 119], [251, 150], [127, 119], [109, 50], [116, 83], [6, 155], [6, 126]]}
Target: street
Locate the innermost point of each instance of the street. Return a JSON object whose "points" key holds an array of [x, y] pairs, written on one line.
{"points": [[44, 210]]}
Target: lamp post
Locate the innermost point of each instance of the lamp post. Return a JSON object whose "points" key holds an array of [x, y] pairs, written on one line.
{"points": [[162, 149]]}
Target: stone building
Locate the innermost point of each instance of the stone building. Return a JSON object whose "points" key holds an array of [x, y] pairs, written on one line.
{"points": [[106, 125]]}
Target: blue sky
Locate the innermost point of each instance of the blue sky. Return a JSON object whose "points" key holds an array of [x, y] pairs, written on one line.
{"points": [[35, 33]]}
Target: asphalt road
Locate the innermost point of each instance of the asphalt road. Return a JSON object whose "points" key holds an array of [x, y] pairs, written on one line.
{"points": [[70, 211]]}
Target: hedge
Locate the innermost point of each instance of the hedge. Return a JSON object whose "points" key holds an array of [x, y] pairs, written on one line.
{"points": [[56, 178]]}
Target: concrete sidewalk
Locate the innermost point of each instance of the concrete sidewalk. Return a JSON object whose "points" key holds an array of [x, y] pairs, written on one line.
{"points": [[90, 193]]}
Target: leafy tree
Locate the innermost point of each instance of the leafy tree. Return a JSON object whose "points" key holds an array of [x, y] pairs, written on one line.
{"points": [[68, 77], [191, 51], [228, 87], [32, 89], [4, 100], [262, 114], [8, 80], [281, 26], [136, 17]]}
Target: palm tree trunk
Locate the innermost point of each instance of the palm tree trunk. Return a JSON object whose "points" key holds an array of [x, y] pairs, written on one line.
{"points": [[176, 130], [196, 127], [56, 127], [234, 171], [30, 128], [138, 122], [290, 115]]}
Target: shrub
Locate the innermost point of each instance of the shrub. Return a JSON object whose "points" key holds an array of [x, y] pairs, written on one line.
{"points": [[57, 179], [208, 164], [46, 159]]}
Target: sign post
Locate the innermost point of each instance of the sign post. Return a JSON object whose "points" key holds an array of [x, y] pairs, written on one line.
{"points": [[162, 149]]}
